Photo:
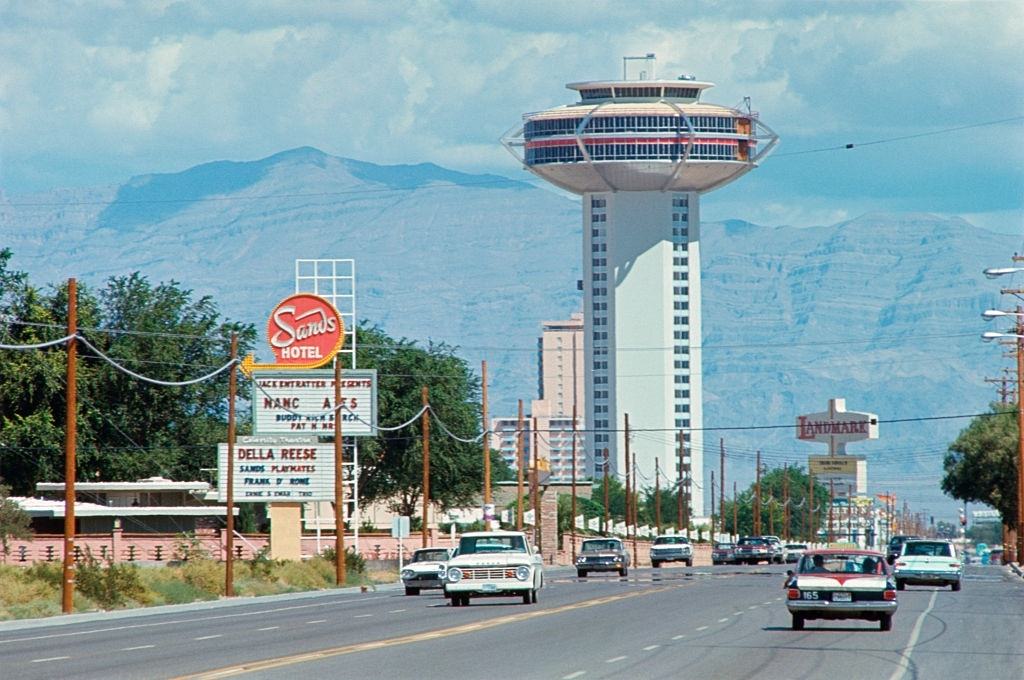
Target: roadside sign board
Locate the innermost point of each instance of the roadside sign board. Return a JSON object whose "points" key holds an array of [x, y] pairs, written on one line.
{"points": [[302, 402], [280, 469], [400, 527]]}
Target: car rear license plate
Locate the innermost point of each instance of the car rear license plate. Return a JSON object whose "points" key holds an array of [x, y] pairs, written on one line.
{"points": [[490, 587], [842, 597]]}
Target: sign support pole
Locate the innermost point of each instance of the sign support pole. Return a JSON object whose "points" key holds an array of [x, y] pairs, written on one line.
{"points": [[229, 562], [339, 484]]}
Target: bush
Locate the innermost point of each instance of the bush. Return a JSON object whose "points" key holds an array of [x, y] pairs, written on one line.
{"points": [[187, 547], [206, 576], [110, 585], [354, 562]]}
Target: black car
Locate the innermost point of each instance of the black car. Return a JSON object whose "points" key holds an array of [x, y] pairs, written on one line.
{"points": [[896, 545]]}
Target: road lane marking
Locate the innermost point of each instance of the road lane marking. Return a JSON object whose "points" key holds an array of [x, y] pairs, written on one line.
{"points": [[703, 628], [650, 647], [362, 616], [571, 676], [208, 637], [678, 637], [753, 606], [723, 620], [737, 613], [269, 628], [904, 663], [51, 658], [132, 649], [474, 627], [309, 623], [397, 611], [769, 601], [616, 658]]}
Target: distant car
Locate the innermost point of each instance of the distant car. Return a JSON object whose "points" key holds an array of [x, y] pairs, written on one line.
{"points": [[928, 562], [425, 570], [792, 552], [841, 584], [602, 554], [723, 553], [896, 544], [753, 549], [778, 553], [494, 564], [671, 549]]}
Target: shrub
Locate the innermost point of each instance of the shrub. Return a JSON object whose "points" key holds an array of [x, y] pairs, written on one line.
{"points": [[354, 562], [109, 585], [188, 547], [204, 575]]}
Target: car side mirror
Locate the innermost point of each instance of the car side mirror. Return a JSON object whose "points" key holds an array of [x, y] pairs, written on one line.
{"points": [[790, 573]]}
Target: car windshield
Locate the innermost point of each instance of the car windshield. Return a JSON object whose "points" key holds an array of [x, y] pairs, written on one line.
{"points": [[752, 541], [929, 549], [841, 564], [724, 546], [670, 540], [470, 545], [440, 555], [598, 546]]}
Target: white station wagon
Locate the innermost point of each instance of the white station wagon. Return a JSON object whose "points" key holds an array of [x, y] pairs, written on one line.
{"points": [[494, 564]]}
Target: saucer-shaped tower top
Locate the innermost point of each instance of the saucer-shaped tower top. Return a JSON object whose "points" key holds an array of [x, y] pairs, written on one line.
{"points": [[640, 135]]}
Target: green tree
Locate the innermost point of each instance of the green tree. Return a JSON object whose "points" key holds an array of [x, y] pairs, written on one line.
{"points": [[772, 496], [981, 464], [14, 522], [392, 462]]}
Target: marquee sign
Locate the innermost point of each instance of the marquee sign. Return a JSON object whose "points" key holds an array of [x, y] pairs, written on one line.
{"points": [[290, 402], [305, 331], [289, 469]]}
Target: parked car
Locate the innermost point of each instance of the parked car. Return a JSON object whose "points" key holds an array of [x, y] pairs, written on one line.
{"points": [[753, 549], [896, 545], [841, 584], [425, 570], [778, 552], [671, 549], [602, 554], [792, 552], [928, 562], [494, 564], [723, 553]]}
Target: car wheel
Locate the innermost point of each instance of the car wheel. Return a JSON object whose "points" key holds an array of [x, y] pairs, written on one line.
{"points": [[465, 600], [689, 563], [798, 622], [715, 563], [412, 591], [900, 585], [456, 601], [581, 573], [533, 597], [655, 564], [886, 622], [528, 597], [623, 572], [955, 585]]}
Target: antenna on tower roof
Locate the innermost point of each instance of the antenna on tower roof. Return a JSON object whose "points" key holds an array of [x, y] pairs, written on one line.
{"points": [[640, 71]]}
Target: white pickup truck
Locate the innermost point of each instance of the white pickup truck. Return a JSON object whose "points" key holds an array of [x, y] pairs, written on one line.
{"points": [[928, 562]]}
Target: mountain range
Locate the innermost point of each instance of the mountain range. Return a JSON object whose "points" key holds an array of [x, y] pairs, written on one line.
{"points": [[883, 310]]}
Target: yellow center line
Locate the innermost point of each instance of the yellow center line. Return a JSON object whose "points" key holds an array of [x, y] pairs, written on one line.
{"points": [[279, 662]]}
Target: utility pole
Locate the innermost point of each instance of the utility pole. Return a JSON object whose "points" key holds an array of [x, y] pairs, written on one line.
{"points": [[721, 487], [679, 484], [712, 537], [657, 497], [849, 513], [735, 512], [810, 506], [574, 458], [629, 495], [70, 446], [1020, 429], [485, 427], [535, 485], [339, 482], [607, 511], [229, 562], [757, 497], [519, 468], [785, 502], [425, 396], [636, 509], [831, 506]]}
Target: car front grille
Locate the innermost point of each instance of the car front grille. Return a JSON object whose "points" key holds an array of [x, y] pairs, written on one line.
{"points": [[489, 573]]}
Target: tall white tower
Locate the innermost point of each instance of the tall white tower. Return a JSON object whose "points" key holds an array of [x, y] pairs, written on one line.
{"points": [[640, 151]]}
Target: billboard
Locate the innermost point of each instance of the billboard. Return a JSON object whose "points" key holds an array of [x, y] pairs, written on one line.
{"points": [[302, 402], [837, 427], [305, 331], [844, 473], [280, 469]]}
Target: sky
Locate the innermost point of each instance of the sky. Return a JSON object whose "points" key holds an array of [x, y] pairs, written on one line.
{"points": [[94, 92]]}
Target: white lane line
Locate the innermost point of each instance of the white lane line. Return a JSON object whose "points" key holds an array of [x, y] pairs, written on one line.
{"points": [[397, 611], [208, 637], [769, 601], [309, 623], [703, 628], [51, 658], [573, 675], [778, 599], [650, 647], [753, 606], [132, 649], [269, 628], [909, 649], [678, 637], [362, 616], [616, 658], [737, 613], [723, 620]]}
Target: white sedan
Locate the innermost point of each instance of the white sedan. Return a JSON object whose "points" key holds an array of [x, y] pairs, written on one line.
{"points": [[928, 562], [425, 570], [494, 564], [841, 584]]}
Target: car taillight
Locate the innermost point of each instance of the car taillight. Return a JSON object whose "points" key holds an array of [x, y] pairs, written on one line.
{"points": [[890, 595], [901, 564], [794, 593], [955, 565]]}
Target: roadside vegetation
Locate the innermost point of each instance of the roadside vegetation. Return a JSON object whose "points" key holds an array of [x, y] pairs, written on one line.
{"points": [[34, 592]]}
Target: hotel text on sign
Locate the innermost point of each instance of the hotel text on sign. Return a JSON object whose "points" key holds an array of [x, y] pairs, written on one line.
{"points": [[305, 330]]}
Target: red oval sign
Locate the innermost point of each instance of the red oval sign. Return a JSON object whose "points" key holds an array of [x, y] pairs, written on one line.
{"points": [[305, 330]]}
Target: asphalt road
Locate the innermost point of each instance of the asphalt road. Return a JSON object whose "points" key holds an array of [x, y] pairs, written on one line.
{"points": [[722, 622]]}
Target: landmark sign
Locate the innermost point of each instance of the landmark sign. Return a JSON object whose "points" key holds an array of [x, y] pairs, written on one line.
{"points": [[837, 427]]}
